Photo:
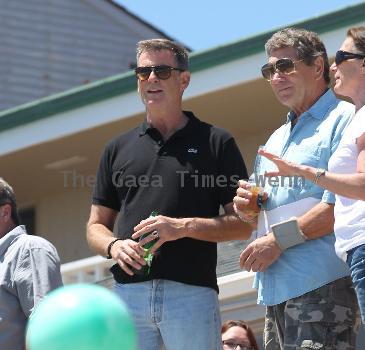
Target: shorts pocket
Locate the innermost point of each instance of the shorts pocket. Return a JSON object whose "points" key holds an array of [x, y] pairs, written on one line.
{"points": [[326, 326]]}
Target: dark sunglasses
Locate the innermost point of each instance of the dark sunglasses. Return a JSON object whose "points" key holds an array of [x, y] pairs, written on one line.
{"points": [[282, 65], [162, 72], [344, 56]]}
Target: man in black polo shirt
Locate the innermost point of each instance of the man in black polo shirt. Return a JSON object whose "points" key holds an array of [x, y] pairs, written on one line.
{"points": [[184, 169]]}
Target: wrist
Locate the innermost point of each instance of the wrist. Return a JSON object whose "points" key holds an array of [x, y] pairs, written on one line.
{"points": [[307, 172], [318, 173], [272, 239], [248, 216], [110, 246], [189, 227]]}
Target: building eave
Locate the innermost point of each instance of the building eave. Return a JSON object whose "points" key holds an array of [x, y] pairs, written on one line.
{"points": [[125, 83]]}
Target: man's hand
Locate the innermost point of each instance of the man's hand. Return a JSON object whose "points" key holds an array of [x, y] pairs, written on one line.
{"points": [[128, 253], [243, 203], [243, 196], [260, 254], [163, 227]]}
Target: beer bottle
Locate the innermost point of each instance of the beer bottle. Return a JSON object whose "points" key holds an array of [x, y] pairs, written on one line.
{"points": [[145, 270]]}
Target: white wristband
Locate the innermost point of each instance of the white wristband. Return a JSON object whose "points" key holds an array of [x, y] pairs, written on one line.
{"points": [[288, 234]]}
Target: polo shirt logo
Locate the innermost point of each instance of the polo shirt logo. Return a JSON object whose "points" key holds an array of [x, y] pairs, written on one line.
{"points": [[192, 150]]}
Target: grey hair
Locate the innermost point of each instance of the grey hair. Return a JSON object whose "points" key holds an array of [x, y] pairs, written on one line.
{"points": [[180, 53], [307, 44], [7, 196]]}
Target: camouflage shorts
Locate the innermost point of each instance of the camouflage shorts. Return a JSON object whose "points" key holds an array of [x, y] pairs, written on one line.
{"points": [[326, 318]]}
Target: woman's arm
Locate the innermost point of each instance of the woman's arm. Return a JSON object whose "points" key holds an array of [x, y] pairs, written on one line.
{"points": [[347, 185]]}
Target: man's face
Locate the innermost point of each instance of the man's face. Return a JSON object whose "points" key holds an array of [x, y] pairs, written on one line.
{"points": [[292, 89], [159, 93]]}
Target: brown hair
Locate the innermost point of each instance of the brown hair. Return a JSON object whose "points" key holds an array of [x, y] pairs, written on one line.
{"points": [[307, 44], [239, 323], [180, 53], [7, 196], [357, 34]]}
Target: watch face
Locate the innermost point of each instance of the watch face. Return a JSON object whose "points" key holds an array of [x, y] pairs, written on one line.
{"points": [[319, 173]]}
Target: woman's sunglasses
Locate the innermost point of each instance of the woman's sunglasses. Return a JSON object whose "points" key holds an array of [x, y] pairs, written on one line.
{"points": [[344, 56], [282, 65], [162, 72]]}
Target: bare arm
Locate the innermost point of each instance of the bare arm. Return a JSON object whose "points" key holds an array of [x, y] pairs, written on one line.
{"points": [[219, 229], [127, 253], [318, 221], [100, 228], [222, 228], [347, 185], [264, 251]]}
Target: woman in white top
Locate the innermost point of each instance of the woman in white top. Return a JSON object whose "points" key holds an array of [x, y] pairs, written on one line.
{"points": [[346, 168]]}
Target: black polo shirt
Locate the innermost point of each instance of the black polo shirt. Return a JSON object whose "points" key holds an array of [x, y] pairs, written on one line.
{"points": [[190, 175]]}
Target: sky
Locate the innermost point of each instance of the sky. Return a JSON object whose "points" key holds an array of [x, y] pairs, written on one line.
{"points": [[203, 24]]}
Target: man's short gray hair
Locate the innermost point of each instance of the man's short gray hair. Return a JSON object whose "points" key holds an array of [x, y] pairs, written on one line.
{"points": [[7, 196], [307, 44], [180, 53]]}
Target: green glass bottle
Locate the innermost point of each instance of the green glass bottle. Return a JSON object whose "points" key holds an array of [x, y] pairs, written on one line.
{"points": [[145, 270]]}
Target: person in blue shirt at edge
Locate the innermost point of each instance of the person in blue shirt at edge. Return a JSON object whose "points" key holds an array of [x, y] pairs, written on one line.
{"points": [[309, 297], [29, 270]]}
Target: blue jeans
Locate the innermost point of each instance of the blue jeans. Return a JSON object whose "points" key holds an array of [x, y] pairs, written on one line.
{"points": [[356, 263], [174, 315]]}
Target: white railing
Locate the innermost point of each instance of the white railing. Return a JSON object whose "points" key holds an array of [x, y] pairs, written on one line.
{"points": [[89, 270], [96, 269]]}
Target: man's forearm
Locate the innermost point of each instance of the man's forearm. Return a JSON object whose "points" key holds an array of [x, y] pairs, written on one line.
{"points": [[98, 238], [219, 229], [318, 221]]}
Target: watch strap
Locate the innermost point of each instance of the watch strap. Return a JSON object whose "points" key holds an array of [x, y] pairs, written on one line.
{"points": [[318, 174]]}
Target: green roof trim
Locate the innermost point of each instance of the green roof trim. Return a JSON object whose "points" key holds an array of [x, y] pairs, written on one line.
{"points": [[126, 82], [255, 44], [70, 99]]}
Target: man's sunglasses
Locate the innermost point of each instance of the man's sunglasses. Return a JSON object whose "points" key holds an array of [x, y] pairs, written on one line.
{"points": [[282, 65], [162, 72], [344, 56]]}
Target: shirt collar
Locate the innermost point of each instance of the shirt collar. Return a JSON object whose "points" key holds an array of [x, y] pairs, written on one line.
{"points": [[319, 109], [146, 128], [6, 241]]}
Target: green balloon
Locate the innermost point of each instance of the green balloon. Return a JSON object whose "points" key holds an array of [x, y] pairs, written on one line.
{"points": [[81, 317]]}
